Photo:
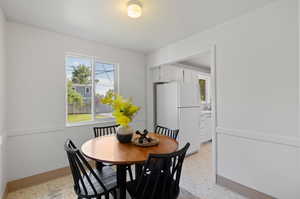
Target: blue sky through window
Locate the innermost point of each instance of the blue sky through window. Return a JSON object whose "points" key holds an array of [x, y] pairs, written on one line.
{"points": [[104, 73], [74, 62], [104, 77]]}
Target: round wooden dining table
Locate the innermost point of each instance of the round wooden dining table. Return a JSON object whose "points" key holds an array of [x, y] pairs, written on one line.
{"points": [[108, 149]]}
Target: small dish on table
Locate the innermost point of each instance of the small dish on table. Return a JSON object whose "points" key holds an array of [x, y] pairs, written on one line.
{"points": [[144, 140]]}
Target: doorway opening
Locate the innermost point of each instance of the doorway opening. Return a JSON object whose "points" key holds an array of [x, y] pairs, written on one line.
{"points": [[195, 76]]}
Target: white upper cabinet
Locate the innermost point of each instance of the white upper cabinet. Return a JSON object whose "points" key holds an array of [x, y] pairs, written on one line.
{"points": [[166, 73], [189, 76], [169, 73], [156, 74]]}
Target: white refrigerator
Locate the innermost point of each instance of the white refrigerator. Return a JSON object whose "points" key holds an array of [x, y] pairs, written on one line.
{"points": [[178, 107]]}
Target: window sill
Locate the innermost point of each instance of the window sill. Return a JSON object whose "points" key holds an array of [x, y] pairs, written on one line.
{"points": [[106, 121]]}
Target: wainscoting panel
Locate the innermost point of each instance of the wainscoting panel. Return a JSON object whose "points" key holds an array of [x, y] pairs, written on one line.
{"points": [[39, 152], [264, 163]]}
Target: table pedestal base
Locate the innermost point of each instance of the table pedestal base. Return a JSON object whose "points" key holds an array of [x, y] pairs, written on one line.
{"points": [[121, 180]]}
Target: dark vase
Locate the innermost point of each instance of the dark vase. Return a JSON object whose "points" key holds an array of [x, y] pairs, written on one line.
{"points": [[124, 134]]}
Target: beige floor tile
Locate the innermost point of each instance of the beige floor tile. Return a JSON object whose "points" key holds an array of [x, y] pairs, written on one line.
{"points": [[197, 176]]}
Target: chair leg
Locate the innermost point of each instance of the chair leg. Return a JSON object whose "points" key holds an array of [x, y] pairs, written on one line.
{"points": [[99, 166], [114, 194], [138, 170], [130, 172], [107, 196]]}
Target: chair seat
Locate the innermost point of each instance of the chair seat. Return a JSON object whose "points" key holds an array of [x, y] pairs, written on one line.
{"points": [[108, 177], [99, 165], [171, 191]]}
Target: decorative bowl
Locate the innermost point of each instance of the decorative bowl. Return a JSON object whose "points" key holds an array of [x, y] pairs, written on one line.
{"points": [[153, 142]]}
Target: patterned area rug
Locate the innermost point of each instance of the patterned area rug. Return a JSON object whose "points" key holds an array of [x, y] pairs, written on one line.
{"points": [[62, 188]]}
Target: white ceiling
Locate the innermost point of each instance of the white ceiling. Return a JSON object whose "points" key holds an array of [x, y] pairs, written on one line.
{"points": [[202, 60], [163, 21]]}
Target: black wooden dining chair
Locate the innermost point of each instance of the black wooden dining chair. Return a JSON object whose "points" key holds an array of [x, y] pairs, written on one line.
{"points": [[160, 176], [89, 183], [166, 131], [106, 131], [162, 131]]}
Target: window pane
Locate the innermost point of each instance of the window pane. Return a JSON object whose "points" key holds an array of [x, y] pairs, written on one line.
{"points": [[202, 83], [79, 87], [104, 81]]}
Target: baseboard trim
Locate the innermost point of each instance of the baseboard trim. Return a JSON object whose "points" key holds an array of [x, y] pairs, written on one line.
{"points": [[37, 179], [4, 196], [241, 189], [40, 178]]}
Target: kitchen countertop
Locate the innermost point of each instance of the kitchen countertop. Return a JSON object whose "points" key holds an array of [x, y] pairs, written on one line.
{"points": [[206, 112]]}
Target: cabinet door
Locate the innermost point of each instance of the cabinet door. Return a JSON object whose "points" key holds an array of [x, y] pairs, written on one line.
{"points": [[187, 76], [206, 128], [190, 76], [209, 128], [156, 74], [169, 73], [164, 75], [180, 74]]}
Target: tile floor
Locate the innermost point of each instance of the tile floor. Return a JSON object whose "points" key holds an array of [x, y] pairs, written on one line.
{"points": [[196, 182], [197, 176]]}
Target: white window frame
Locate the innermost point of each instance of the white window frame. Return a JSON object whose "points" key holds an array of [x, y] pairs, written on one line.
{"points": [[94, 120]]}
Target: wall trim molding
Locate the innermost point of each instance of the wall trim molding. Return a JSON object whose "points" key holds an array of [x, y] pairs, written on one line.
{"points": [[261, 136], [241, 189], [24, 132]]}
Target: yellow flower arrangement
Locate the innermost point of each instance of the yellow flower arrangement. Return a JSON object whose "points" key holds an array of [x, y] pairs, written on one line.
{"points": [[124, 109]]}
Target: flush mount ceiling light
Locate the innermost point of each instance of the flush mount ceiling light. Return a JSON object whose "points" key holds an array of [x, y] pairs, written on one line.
{"points": [[134, 8]]}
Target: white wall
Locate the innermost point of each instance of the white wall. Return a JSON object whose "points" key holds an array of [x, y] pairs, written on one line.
{"points": [[2, 103], [36, 91], [257, 96]]}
